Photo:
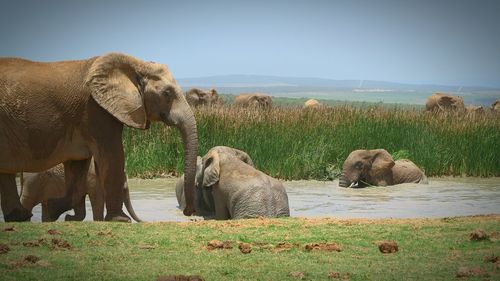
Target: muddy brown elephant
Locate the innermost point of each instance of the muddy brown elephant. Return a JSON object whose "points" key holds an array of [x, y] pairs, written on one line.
{"points": [[439, 102], [495, 106], [376, 167], [197, 97], [68, 111], [203, 198], [239, 190], [38, 188], [255, 100], [474, 109]]}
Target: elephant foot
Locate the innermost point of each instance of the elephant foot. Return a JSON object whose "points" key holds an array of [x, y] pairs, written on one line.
{"points": [[117, 217], [57, 206], [18, 215], [73, 218]]}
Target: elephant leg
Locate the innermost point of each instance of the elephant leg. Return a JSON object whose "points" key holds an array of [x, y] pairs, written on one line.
{"points": [[11, 204], [96, 195], [75, 173], [80, 212]]}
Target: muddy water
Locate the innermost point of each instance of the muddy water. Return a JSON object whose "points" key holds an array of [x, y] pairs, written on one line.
{"points": [[154, 200]]}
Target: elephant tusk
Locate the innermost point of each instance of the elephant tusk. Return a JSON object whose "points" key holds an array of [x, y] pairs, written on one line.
{"points": [[353, 184]]}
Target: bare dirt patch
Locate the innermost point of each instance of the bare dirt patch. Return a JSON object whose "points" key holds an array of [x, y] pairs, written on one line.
{"points": [[54, 232], [180, 278], [387, 247], [284, 246], [4, 249], [338, 275], [478, 235], [9, 229], [297, 274], [216, 244], [329, 247], [494, 236], [35, 243], [60, 244], [471, 272], [492, 259], [31, 259], [245, 248], [105, 233]]}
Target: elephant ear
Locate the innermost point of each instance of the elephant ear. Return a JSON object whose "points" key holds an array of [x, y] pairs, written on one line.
{"points": [[445, 101], [381, 163], [115, 84], [243, 156], [211, 169]]}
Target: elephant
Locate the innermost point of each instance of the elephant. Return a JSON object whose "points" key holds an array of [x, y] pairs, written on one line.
{"points": [[203, 199], [197, 97], [376, 167], [40, 187], [439, 102], [474, 109], [256, 100], [69, 111], [312, 103], [495, 106], [239, 190]]}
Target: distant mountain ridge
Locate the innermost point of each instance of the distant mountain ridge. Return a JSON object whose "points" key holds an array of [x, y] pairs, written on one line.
{"points": [[264, 81]]}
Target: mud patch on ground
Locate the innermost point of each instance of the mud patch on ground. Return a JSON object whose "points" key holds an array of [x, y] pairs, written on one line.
{"points": [[297, 274], [492, 259], [105, 233], [245, 248], [30, 260], [478, 235], [471, 272], [329, 247], [338, 275], [216, 244], [60, 244], [284, 246], [54, 232], [9, 229], [180, 278], [494, 236], [387, 247], [4, 249], [35, 243]]}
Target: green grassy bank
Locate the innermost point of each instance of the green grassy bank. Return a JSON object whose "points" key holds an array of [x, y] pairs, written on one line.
{"points": [[428, 249], [292, 143]]}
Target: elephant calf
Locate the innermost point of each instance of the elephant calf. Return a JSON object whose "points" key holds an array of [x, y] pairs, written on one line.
{"points": [[229, 187], [376, 167], [40, 187]]}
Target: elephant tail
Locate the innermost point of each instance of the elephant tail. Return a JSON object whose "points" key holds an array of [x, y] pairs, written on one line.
{"points": [[128, 204], [424, 180]]}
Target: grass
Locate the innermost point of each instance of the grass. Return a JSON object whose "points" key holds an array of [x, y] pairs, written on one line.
{"points": [[429, 249], [292, 143]]}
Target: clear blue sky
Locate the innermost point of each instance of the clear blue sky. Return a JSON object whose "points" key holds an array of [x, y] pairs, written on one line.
{"points": [[442, 41]]}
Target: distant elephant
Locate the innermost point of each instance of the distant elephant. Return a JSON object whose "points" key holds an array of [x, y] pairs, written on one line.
{"points": [[203, 199], [256, 100], [197, 97], [474, 109], [376, 167], [495, 106], [438, 102], [312, 103], [68, 111], [239, 190], [38, 188]]}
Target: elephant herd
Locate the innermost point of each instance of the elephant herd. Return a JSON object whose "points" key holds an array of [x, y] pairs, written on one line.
{"points": [[439, 102], [62, 125]]}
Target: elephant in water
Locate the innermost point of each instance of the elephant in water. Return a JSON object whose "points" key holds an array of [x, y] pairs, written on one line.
{"points": [[40, 187], [312, 103], [203, 199], [438, 102], [197, 97], [376, 167], [256, 100], [69, 111]]}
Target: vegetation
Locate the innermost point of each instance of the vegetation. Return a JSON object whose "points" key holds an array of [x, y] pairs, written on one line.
{"points": [[293, 143], [428, 249]]}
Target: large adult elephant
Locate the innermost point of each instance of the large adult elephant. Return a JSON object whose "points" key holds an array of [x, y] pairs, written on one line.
{"points": [[239, 190], [256, 100], [439, 102], [376, 167], [203, 198], [312, 103], [68, 111], [197, 97], [40, 187], [495, 106]]}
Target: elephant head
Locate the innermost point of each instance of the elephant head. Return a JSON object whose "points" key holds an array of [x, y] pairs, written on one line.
{"points": [[136, 93], [365, 166], [197, 97], [312, 103], [256, 100], [495, 106], [443, 102]]}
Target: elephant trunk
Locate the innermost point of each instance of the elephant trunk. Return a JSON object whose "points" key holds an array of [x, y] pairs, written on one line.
{"points": [[190, 140], [344, 181]]}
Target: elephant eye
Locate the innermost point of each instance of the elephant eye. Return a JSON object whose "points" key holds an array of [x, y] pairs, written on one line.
{"points": [[358, 165]]}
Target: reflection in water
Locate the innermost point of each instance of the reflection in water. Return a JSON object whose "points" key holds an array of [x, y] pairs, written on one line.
{"points": [[154, 200]]}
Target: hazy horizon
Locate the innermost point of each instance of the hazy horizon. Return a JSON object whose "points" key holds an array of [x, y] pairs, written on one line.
{"points": [[443, 42]]}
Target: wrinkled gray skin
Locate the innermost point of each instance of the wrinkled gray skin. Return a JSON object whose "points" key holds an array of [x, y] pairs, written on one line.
{"points": [[239, 190], [197, 97], [376, 167], [40, 187], [203, 198], [439, 102]]}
